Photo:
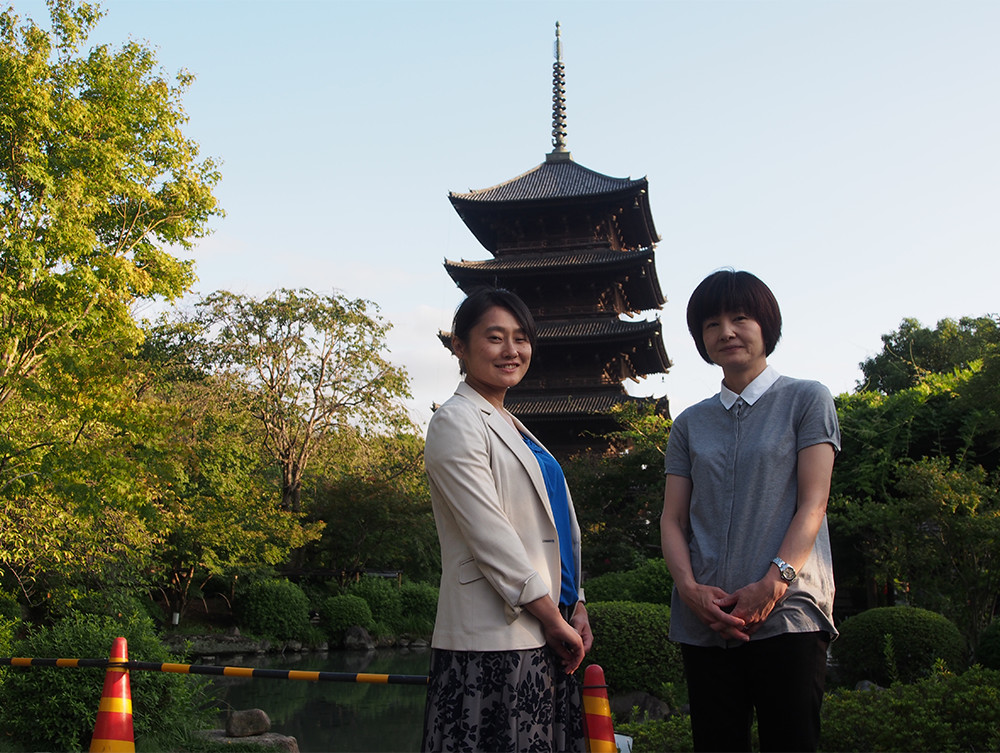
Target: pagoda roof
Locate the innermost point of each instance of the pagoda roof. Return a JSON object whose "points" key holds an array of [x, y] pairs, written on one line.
{"points": [[558, 187], [643, 289], [559, 178], [582, 260], [596, 328], [565, 406]]}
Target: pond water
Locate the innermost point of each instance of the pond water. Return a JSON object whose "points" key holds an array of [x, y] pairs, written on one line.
{"points": [[334, 716]]}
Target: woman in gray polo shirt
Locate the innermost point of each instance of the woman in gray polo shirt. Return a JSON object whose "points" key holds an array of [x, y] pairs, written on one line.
{"points": [[744, 530]]}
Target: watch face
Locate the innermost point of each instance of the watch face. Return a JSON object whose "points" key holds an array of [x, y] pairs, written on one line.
{"points": [[788, 573]]}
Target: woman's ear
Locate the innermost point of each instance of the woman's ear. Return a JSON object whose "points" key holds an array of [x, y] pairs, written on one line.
{"points": [[457, 347]]}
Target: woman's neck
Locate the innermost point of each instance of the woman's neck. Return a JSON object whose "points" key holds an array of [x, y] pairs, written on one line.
{"points": [[739, 379]]}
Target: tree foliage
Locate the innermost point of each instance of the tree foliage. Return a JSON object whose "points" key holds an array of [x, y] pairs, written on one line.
{"points": [[619, 496], [913, 351], [368, 488], [97, 182], [916, 490], [316, 364]]}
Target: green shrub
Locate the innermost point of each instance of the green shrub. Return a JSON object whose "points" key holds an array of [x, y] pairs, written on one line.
{"points": [[896, 643], [419, 607], [49, 708], [383, 599], [273, 608], [943, 712], [631, 646], [9, 607], [337, 613], [988, 652], [650, 583], [672, 733]]}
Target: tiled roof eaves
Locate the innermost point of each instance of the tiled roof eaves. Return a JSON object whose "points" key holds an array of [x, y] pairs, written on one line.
{"points": [[566, 405], [551, 181], [531, 262], [553, 330]]}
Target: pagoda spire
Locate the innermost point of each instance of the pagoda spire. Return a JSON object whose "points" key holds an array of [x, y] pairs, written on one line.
{"points": [[560, 152]]}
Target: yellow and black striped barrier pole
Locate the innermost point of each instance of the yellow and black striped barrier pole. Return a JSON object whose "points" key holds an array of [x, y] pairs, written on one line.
{"points": [[209, 669]]}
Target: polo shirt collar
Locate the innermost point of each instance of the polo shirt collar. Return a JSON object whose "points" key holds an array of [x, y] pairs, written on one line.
{"points": [[753, 391]]}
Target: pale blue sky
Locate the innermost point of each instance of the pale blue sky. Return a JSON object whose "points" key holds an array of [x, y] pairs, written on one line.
{"points": [[846, 152]]}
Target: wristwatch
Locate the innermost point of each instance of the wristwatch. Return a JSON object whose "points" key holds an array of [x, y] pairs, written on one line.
{"points": [[787, 571]]}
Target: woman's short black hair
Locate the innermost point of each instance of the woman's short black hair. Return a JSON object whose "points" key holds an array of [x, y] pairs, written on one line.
{"points": [[479, 301], [735, 292]]}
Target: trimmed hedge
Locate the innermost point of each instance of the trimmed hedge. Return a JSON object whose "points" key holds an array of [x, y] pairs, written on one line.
{"points": [[631, 646], [419, 608], [273, 608], [944, 712], [649, 583], [338, 613], [890, 644], [383, 599]]}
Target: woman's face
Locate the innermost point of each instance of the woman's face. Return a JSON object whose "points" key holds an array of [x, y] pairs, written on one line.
{"points": [[496, 355], [735, 342]]}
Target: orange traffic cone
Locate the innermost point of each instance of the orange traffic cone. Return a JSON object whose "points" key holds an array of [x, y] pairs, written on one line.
{"points": [[597, 712], [113, 728]]}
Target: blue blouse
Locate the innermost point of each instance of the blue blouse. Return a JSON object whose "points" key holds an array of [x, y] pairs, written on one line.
{"points": [[555, 485]]}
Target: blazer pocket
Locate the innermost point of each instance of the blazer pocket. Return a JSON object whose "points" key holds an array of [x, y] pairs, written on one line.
{"points": [[469, 571]]}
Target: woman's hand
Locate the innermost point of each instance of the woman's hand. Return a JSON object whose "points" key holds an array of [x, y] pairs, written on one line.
{"points": [[562, 637], [754, 602], [581, 623], [712, 605]]}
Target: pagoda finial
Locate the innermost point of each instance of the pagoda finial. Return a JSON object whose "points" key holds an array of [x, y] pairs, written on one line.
{"points": [[558, 98]]}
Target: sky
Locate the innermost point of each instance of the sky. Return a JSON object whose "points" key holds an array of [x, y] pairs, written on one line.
{"points": [[844, 151]]}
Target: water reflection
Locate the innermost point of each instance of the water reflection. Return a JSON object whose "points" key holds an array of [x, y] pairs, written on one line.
{"points": [[335, 716]]}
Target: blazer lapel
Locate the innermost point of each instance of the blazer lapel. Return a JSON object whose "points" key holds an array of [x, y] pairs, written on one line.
{"points": [[514, 442]]}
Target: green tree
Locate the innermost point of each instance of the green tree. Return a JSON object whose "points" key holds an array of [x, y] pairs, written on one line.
{"points": [[97, 184], [99, 189], [618, 496], [216, 511], [914, 505], [368, 488], [914, 351], [316, 363]]}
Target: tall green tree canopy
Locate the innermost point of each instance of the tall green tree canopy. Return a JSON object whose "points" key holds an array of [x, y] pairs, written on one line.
{"points": [[317, 363], [914, 351], [98, 185]]}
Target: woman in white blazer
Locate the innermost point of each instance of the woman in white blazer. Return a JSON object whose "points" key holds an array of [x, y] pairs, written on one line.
{"points": [[511, 625]]}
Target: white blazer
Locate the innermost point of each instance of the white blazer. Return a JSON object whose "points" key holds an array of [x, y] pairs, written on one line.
{"points": [[499, 547]]}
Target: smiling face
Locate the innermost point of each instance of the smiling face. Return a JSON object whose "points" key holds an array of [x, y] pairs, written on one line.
{"points": [[735, 342], [496, 354]]}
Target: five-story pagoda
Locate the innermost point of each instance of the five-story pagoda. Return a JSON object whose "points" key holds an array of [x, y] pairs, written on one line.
{"points": [[577, 247]]}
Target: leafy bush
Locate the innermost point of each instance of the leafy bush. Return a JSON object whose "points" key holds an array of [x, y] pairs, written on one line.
{"points": [[988, 653], [672, 733], [419, 607], [49, 708], [383, 599], [944, 712], [9, 607], [273, 608], [650, 583], [630, 644], [337, 613], [887, 644]]}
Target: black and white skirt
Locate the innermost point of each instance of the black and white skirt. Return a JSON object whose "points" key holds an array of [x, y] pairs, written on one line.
{"points": [[492, 701]]}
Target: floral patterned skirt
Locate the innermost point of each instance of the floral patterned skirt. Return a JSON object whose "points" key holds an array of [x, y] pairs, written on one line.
{"points": [[511, 701]]}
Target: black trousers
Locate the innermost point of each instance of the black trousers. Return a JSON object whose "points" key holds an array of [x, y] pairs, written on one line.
{"points": [[781, 678]]}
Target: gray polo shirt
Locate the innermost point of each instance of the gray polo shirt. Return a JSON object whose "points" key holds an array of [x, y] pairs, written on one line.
{"points": [[741, 454]]}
